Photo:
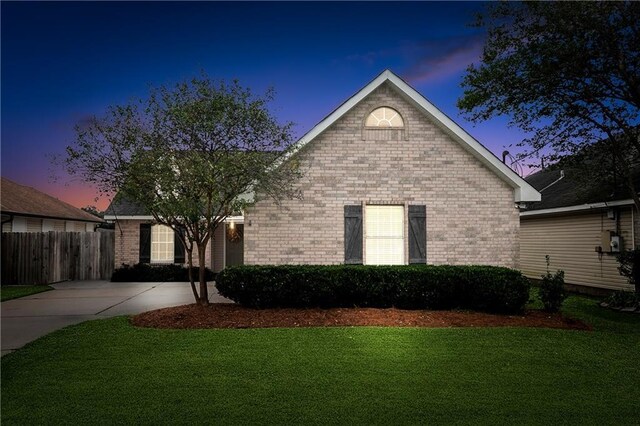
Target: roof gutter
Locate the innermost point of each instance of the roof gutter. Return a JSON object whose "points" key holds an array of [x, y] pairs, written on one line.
{"points": [[580, 207], [97, 219]]}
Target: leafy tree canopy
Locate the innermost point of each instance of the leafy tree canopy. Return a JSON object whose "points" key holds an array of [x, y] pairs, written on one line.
{"points": [[191, 155], [568, 73]]}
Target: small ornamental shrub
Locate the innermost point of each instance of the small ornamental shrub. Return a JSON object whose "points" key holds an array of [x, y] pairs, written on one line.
{"points": [[144, 272], [483, 288], [628, 300], [552, 292]]}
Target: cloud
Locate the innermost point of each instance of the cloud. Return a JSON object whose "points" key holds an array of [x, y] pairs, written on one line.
{"points": [[436, 60], [427, 60]]}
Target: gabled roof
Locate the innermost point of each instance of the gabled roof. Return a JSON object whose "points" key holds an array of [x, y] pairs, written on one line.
{"points": [[523, 191], [26, 201]]}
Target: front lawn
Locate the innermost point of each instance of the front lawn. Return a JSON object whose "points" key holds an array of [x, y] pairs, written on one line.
{"points": [[108, 371], [13, 292]]}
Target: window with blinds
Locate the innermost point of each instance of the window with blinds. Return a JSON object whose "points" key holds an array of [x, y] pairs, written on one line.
{"points": [[384, 227], [161, 244]]}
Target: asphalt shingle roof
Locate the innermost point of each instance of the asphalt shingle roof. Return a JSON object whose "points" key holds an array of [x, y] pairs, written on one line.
{"points": [[24, 200], [573, 189], [121, 206]]}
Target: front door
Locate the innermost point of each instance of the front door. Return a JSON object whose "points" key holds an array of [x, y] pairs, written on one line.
{"points": [[234, 245]]}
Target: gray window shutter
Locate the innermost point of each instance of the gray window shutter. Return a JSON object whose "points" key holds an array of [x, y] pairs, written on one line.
{"points": [[178, 247], [353, 235], [417, 234], [145, 243]]}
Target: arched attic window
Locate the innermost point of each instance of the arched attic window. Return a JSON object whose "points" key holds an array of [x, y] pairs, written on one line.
{"points": [[384, 117], [384, 123]]}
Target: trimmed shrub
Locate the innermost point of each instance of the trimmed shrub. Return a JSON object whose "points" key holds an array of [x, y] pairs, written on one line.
{"points": [[552, 292], [483, 288], [143, 272]]}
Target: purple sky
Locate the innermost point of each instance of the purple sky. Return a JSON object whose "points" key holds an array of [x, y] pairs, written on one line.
{"points": [[64, 62]]}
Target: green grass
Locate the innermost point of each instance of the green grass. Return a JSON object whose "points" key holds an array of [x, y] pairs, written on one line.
{"points": [[107, 372], [13, 292]]}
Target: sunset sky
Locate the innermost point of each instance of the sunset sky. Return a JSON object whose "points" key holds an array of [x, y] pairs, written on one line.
{"points": [[64, 62]]}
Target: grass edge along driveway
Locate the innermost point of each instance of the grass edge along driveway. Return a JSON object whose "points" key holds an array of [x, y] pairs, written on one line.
{"points": [[108, 371], [8, 292]]}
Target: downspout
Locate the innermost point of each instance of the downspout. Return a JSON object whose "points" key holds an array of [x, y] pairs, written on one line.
{"points": [[555, 181], [6, 221]]}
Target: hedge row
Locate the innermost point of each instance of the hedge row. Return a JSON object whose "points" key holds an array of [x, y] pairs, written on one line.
{"points": [[143, 272], [483, 288]]}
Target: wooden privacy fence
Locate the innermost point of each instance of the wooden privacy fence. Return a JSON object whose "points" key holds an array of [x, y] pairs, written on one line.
{"points": [[49, 257]]}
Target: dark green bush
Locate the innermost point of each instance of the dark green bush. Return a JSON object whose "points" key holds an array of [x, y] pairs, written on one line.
{"points": [[143, 272], [630, 266], [552, 292], [622, 300], [485, 288]]}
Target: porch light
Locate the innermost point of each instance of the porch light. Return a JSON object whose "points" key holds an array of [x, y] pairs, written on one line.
{"points": [[232, 225]]}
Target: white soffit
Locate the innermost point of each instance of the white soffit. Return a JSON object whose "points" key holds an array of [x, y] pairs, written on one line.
{"points": [[522, 190]]}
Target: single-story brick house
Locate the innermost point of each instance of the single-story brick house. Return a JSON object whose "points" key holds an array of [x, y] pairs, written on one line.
{"points": [[389, 179], [575, 224], [25, 209]]}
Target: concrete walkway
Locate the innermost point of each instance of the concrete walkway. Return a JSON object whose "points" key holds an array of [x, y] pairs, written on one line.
{"points": [[30, 317]]}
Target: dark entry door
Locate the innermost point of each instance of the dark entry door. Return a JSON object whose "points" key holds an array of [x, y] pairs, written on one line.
{"points": [[234, 251]]}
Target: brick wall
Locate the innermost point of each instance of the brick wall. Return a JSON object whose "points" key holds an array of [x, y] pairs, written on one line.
{"points": [[471, 217], [128, 244]]}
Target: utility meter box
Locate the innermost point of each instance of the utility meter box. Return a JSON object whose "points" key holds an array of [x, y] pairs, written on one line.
{"points": [[616, 244], [610, 242]]}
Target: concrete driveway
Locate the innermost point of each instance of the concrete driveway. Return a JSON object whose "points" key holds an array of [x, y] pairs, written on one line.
{"points": [[30, 317]]}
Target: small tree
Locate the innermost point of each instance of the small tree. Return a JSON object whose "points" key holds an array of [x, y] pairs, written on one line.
{"points": [[629, 261], [566, 72], [191, 155]]}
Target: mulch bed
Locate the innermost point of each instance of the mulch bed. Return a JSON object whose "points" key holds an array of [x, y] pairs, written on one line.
{"points": [[227, 315]]}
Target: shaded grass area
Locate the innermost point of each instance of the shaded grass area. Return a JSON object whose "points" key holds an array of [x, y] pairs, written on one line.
{"points": [[14, 292], [108, 371]]}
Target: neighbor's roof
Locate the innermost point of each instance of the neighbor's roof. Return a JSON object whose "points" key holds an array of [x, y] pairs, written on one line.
{"points": [[25, 201], [523, 191], [564, 189]]}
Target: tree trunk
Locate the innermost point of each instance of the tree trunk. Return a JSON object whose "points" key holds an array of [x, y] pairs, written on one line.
{"points": [[204, 292], [190, 266]]}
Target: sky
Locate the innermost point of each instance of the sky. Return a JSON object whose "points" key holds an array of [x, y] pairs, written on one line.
{"points": [[65, 62]]}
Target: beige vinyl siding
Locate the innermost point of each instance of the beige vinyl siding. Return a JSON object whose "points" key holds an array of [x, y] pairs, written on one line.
{"points": [[570, 241], [58, 225], [34, 225], [79, 227], [6, 227]]}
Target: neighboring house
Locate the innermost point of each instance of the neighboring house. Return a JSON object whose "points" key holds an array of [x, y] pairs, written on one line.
{"points": [[25, 209], [581, 224], [389, 179]]}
